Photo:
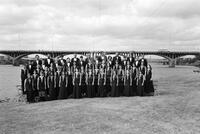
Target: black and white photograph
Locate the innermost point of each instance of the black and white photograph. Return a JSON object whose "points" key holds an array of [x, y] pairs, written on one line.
{"points": [[99, 67]]}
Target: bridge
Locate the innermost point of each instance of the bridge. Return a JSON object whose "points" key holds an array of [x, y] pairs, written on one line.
{"points": [[169, 55]]}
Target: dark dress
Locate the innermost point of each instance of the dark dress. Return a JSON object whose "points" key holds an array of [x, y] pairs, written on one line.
{"points": [[47, 89], [134, 86], [23, 77], [95, 84], [29, 90], [52, 90], [42, 88], [121, 84], [56, 81], [70, 85], [83, 84], [149, 88], [101, 87], [140, 87], [114, 87], [63, 88], [35, 90], [76, 88], [127, 87], [108, 84], [143, 70], [90, 90]]}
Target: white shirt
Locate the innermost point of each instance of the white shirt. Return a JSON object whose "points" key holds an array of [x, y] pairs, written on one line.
{"points": [[48, 60]]}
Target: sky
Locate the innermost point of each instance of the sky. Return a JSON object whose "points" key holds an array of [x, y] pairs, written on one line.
{"points": [[123, 25]]}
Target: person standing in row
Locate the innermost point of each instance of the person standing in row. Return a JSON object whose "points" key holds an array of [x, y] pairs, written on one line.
{"points": [[133, 75], [120, 74], [149, 83], [57, 75], [24, 73], [34, 80], [140, 84], [83, 87], [114, 84], [127, 83], [70, 82], [89, 83], [95, 82], [108, 80], [63, 82], [51, 86], [41, 85], [76, 84], [101, 83], [29, 88]]}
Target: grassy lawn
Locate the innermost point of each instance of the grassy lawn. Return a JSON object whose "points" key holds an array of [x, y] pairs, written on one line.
{"points": [[165, 113]]}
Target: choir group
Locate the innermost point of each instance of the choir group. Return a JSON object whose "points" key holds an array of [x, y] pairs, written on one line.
{"points": [[93, 76]]}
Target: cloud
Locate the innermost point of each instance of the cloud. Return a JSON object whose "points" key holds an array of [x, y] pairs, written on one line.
{"points": [[169, 8], [100, 24]]}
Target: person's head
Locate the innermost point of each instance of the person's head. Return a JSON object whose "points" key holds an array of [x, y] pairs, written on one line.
{"points": [[107, 64], [89, 61], [96, 66], [133, 65], [51, 65], [34, 72], [142, 56], [74, 63], [114, 72], [130, 54], [96, 62], [51, 73], [116, 62], [76, 70], [103, 61], [61, 57], [55, 73], [43, 62], [82, 69], [48, 56], [29, 75], [109, 58], [68, 59], [38, 66], [101, 70], [37, 57], [104, 53], [140, 74], [149, 67], [29, 62], [142, 62], [24, 67], [81, 57], [46, 69], [58, 68], [41, 73], [124, 62], [127, 72], [90, 71], [120, 67], [63, 73]]}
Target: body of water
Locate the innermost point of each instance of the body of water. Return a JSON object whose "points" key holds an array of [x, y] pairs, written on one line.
{"points": [[165, 79]]}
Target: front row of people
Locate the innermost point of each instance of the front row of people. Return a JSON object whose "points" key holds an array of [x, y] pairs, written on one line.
{"points": [[78, 83]]}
